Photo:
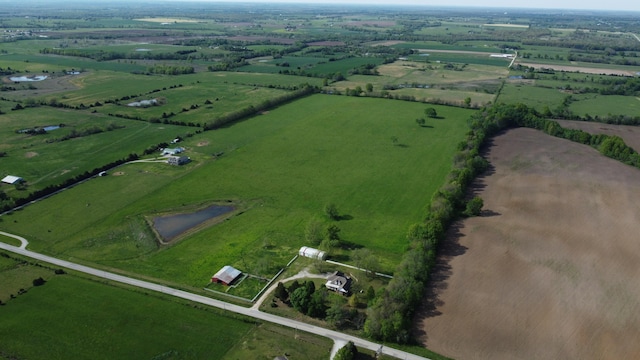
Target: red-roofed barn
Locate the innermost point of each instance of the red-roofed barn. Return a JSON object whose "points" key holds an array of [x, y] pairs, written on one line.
{"points": [[226, 275]]}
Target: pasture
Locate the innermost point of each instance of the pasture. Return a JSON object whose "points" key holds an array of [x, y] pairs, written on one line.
{"points": [[44, 160], [604, 105], [520, 91], [282, 167]]}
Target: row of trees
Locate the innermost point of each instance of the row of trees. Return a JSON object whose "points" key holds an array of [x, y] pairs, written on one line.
{"points": [[390, 317], [170, 69], [85, 132], [265, 105]]}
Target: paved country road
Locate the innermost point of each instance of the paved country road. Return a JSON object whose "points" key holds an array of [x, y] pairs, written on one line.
{"points": [[337, 337]]}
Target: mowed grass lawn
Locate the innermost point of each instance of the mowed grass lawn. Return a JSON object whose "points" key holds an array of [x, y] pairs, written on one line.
{"points": [[74, 317], [282, 167]]}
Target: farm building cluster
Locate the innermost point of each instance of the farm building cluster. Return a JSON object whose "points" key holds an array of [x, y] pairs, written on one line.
{"points": [[173, 155]]}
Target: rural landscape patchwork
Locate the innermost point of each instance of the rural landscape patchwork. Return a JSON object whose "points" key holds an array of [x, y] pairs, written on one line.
{"points": [[202, 180]]}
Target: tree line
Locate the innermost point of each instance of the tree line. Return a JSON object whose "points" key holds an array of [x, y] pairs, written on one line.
{"points": [[253, 109]]}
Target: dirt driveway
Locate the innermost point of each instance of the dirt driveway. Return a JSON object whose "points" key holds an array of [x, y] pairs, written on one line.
{"points": [[552, 268]]}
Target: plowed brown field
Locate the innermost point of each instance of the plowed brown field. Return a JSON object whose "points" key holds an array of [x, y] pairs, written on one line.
{"points": [[552, 268]]}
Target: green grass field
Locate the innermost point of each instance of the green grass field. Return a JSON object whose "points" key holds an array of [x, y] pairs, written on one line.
{"points": [[42, 161], [604, 105], [536, 97], [75, 317], [282, 167]]}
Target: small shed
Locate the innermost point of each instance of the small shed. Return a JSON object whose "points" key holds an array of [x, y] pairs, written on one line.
{"points": [[10, 179], [312, 253], [226, 275]]}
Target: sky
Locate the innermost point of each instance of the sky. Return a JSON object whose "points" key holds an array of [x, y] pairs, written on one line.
{"points": [[624, 5]]}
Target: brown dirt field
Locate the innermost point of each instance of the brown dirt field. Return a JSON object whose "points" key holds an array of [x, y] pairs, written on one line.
{"points": [[551, 269], [30, 154], [630, 134], [581, 69]]}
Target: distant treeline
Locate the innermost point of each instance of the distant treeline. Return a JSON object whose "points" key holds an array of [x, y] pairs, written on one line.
{"points": [[170, 70], [102, 55]]}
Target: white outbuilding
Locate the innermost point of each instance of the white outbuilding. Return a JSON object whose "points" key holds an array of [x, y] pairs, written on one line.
{"points": [[10, 179], [312, 253]]}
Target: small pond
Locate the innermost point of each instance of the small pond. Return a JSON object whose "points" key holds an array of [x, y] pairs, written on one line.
{"points": [[171, 226]]}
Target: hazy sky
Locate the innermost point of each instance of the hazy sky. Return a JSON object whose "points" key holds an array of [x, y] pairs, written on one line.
{"points": [[628, 5]]}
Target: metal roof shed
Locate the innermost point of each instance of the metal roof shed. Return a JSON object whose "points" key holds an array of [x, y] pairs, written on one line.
{"points": [[312, 253], [10, 179], [226, 275]]}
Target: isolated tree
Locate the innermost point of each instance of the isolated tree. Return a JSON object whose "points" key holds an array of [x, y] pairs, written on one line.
{"points": [[467, 101], [369, 87], [313, 233], [394, 140], [39, 281], [365, 259], [331, 210], [333, 235], [421, 121], [431, 112]]}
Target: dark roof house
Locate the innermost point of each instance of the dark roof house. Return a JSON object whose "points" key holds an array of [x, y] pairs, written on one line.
{"points": [[339, 282]]}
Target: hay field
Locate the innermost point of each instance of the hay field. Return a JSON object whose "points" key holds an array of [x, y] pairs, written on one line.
{"points": [[550, 271]]}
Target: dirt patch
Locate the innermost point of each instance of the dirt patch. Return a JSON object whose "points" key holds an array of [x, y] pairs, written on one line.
{"points": [[586, 70], [551, 269], [630, 134], [203, 143], [30, 154], [118, 173]]}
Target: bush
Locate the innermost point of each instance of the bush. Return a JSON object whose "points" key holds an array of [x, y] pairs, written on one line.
{"points": [[474, 206]]}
